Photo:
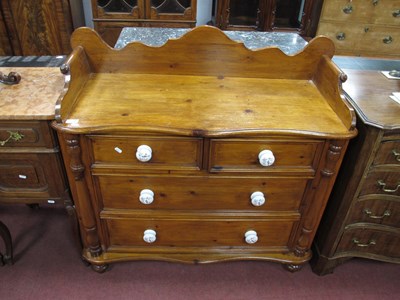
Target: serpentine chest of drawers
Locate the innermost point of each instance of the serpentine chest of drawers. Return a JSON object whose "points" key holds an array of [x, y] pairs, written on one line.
{"points": [[200, 150], [363, 215]]}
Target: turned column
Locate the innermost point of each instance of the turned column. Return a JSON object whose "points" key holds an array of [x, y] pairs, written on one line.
{"points": [[82, 196]]}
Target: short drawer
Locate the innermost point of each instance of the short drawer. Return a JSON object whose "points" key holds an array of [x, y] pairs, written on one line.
{"points": [[26, 134], [195, 232], [371, 241], [201, 193], [388, 153], [383, 183], [164, 153], [245, 155], [31, 175], [379, 211]]}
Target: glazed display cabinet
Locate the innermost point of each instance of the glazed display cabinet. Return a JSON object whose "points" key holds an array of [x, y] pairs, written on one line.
{"points": [[110, 16], [269, 15]]}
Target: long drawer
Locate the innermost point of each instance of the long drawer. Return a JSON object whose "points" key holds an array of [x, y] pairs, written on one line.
{"points": [[25, 134], [31, 175], [382, 183], [388, 153], [371, 240], [197, 232], [376, 210], [202, 192]]}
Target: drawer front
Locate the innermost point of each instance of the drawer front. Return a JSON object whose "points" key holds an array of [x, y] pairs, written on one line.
{"points": [[166, 153], [372, 241], [383, 183], [345, 36], [380, 39], [202, 193], [243, 155], [348, 11], [387, 12], [376, 211], [29, 175], [388, 153], [195, 232], [26, 134]]}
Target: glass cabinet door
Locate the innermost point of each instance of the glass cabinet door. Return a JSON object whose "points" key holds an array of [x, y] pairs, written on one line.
{"points": [[244, 13], [288, 13], [170, 6], [115, 8], [161, 9]]}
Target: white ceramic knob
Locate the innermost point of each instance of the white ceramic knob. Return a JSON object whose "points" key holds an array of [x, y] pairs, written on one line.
{"points": [[257, 198], [149, 236], [266, 158], [143, 153], [251, 237], [146, 196]]}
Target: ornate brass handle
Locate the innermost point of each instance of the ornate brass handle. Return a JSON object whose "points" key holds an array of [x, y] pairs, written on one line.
{"points": [[348, 9], [368, 212], [382, 185], [15, 136], [357, 242], [396, 13], [396, 154], [341, 36], [387, 39], [11, 78]]}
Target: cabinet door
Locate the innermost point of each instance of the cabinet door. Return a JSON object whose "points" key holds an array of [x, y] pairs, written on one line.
{"points": [[118, 9], [38, 27], [240, 14], [172, 10], [5, 46]]}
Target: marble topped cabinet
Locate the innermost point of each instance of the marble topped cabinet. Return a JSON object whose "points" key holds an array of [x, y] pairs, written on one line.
{"points": [[30, 160]]}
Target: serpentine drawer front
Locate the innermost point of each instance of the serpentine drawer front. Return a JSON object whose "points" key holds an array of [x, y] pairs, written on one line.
{"points": [[218, 153]]}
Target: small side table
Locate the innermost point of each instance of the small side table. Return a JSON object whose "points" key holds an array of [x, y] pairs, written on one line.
{"points": [[7, 258]]}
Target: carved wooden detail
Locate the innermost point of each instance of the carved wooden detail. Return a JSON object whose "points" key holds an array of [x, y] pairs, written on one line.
{"points": [[39, 27], [88, 221]]}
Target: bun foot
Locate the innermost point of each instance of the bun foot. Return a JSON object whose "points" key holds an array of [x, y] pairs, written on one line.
{"points": [[292, 267], [99, 268]]}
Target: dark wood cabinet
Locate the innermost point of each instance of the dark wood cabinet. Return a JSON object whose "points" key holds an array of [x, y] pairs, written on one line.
{"points": [[38, 27], [269, 15], [110, 16], [362, 218], [31, 169]]}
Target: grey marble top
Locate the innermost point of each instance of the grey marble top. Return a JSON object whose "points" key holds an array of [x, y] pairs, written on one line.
{"points": [[289, 43]]}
